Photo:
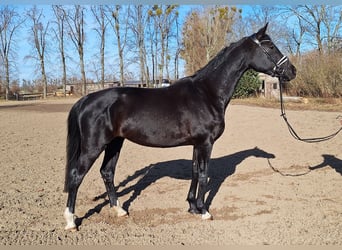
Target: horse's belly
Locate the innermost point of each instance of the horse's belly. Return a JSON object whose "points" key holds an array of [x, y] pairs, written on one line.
{"points": [[158, 136]]}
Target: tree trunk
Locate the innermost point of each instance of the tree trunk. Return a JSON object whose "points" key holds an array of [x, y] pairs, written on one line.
{"points": [[102, 60], [43, 78], [116, 26], [162, 58], [141, 45], [64, 81], [83, 75], [7, 80]]}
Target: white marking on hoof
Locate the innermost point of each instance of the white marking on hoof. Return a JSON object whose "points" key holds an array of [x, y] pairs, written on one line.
{"points": [[70, 219], [207, 216], [119, 211]]}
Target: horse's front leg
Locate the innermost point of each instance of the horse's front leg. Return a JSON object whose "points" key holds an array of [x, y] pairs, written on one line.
{"points": [[203, 153], [193, 187]]}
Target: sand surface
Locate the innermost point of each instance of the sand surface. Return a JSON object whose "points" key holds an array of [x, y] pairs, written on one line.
{"points": [[297, 202]]}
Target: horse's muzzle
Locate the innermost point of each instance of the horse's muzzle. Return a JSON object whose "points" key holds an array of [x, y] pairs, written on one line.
{"points": [[288, 73]]}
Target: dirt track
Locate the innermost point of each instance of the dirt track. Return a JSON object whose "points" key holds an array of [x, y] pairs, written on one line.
{"points": [[251, 202]]}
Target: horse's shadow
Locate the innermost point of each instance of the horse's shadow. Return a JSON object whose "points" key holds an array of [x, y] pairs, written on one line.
{"points": [[331, 161], [219, 169]]}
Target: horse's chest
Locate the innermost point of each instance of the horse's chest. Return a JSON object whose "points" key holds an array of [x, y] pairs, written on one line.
{"points": [[208, 129], [216, 129]]}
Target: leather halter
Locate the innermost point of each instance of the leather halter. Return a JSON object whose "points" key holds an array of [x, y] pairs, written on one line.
{"points": [[277, 70]]}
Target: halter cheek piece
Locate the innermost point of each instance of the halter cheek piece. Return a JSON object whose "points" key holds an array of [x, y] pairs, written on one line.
{"points": [[276, 71]]}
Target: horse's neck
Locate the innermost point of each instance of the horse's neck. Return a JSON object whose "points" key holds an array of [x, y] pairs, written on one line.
{"points": [[221, 83]]}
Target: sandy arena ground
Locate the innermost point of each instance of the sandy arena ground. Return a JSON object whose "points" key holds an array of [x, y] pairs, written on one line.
{"points": [[298, 202]]}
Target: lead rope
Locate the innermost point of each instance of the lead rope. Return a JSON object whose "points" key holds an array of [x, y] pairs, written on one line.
{"points": [[293, 132]]}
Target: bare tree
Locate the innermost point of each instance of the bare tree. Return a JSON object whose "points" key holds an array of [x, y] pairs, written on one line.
{"points": [[164, 16], [204, 34], [75, 21], [322, 23], [193, 51], [99, 14], [332, 20], [137, 24], [60, 15], [113, 16], [152, 37], [178, 50], [38, 36], [9, 24], [297, 37]]}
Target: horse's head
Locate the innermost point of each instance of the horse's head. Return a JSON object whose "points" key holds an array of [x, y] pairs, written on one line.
{"points": [[268, 59]]}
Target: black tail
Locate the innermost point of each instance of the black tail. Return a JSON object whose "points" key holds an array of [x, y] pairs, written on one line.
{"points": [[73, 145]]}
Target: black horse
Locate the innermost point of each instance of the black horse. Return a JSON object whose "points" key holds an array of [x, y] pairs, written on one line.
{"points": [[189, 112]]}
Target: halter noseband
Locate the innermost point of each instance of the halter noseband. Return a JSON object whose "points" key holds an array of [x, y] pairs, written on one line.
{"points": [[276, 71]]}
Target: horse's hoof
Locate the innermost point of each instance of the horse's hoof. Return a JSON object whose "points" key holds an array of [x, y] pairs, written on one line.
{"points": [[70, 219], [71, 229], [194, 211], [120, 212], [207, 216]]}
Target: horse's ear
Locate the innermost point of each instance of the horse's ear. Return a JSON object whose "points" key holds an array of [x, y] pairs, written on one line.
{"points": [[261, 32]]}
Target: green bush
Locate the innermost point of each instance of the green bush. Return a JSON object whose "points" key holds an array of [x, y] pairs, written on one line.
{"points": [[248, 85]]}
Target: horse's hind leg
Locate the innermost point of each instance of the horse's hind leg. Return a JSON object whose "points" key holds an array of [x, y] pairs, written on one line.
{"points": [[84, 163], [112, 152]]}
